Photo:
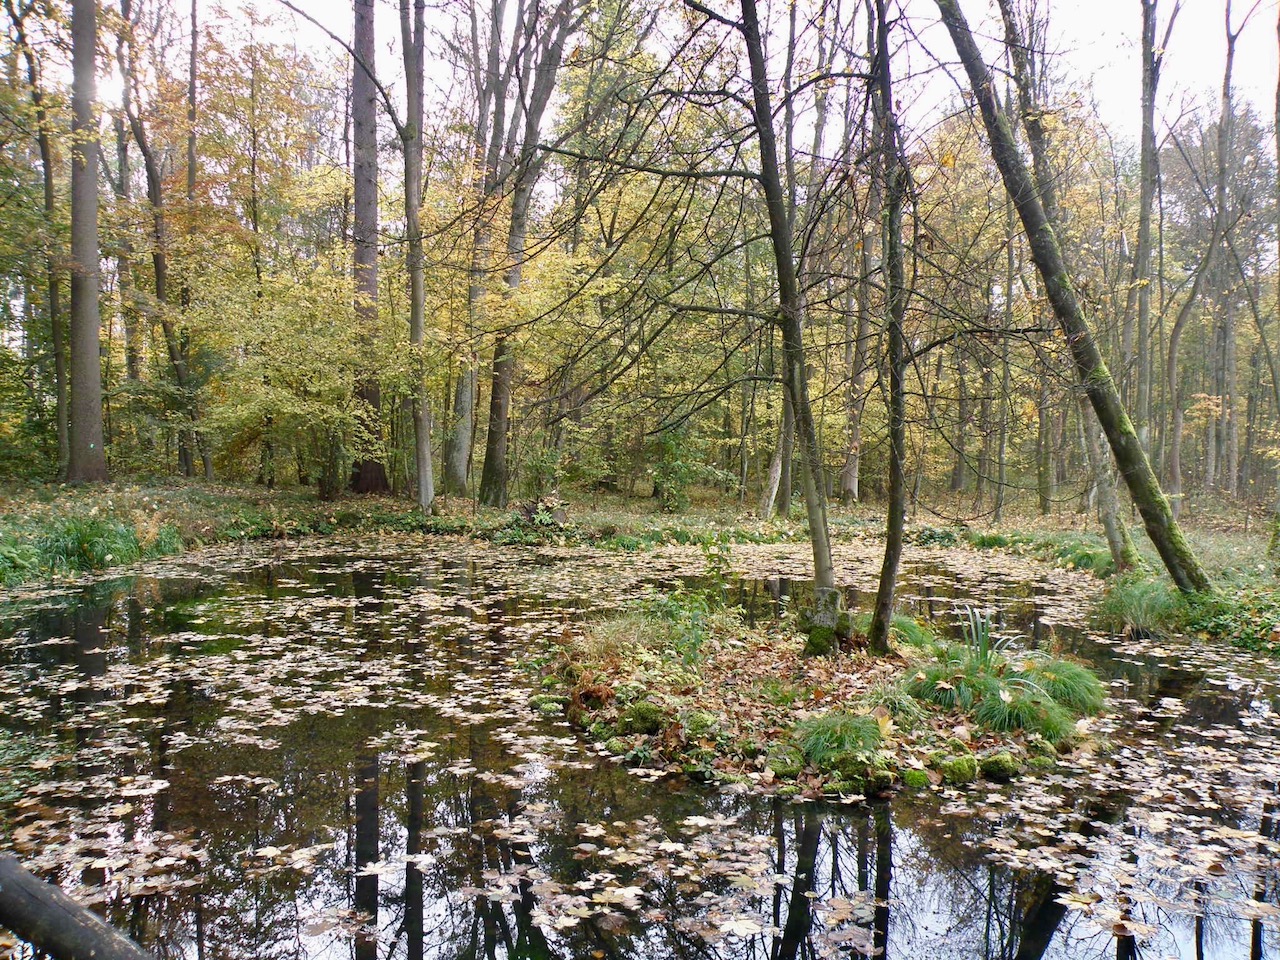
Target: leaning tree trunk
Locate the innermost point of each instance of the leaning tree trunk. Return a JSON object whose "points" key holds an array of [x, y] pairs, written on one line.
{"points": [[1042, 240], [87, 459], [791, 322]]}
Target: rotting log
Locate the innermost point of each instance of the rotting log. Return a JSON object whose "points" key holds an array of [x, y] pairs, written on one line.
{"points": [[56, 924]]}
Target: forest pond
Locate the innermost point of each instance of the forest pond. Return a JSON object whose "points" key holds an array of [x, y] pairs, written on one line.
{"points": [[326, 749]]}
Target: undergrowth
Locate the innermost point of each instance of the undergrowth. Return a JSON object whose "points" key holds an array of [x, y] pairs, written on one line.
{"points": [[1246, 616], [1029, 691]]}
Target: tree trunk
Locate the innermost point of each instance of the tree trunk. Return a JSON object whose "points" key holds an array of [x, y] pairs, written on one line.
{"points": [[53, 287], [54, 923], [175, 344], [896, 302], [1124, 555], [1044, 447], [790, 319], [202, 442], [1274, 546], [368, 473], [769, 494], [1131, 460], [493, 476], [1136, 338], [960, 469], [87, 459], [412, 34]]}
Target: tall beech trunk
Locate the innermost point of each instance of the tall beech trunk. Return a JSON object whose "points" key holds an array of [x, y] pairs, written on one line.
{"points": [[124, 263], [790, 315], [1124, 555], [1274, 547], [493, 476], [777, 495], [86, 456], [491, 80], [202, 443], [857, 339], [412, 34], [1136, 328], [1157, 516], [1203, 271], [894, 191], [368, 474]]}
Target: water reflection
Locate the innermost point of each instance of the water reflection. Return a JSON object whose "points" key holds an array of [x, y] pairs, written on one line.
{"points": [[333, 756]]}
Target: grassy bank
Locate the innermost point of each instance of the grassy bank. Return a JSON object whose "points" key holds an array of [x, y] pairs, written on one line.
{"points": [[48, 530]]}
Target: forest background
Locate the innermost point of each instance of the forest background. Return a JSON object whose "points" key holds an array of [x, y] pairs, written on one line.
{"points": [[515, 249]]}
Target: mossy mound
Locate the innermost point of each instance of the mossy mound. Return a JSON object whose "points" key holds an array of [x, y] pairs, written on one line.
{"points": [[548, 704], [785, 760], [643, 716], [699, 723], [915, 779], [1001, 767], [959, 769]]}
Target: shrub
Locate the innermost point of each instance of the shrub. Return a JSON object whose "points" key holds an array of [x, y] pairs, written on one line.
{"points": [[934, 537]]}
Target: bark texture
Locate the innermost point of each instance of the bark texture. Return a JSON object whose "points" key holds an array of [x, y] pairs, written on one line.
{"points": [[790, 312], [54, 923]]}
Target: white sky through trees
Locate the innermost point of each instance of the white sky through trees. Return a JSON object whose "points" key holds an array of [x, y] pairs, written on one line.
{"points": [[1096, 42]]}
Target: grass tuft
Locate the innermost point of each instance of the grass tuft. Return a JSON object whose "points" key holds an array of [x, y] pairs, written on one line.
{"points": [[1139, 603], [1070, 684], [825, 737]]}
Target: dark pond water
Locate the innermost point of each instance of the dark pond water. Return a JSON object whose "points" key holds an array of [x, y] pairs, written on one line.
{"points": [[327, 751]]}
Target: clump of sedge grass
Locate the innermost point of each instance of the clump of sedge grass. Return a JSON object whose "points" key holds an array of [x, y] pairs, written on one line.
{"points": [[905, 629], [1067, 683], [1035, 693], [1140, 604], [825, 737], [88, 543]]}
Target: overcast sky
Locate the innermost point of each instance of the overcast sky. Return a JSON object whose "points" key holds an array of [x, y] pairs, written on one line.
{"points": [[1097, 41]]}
